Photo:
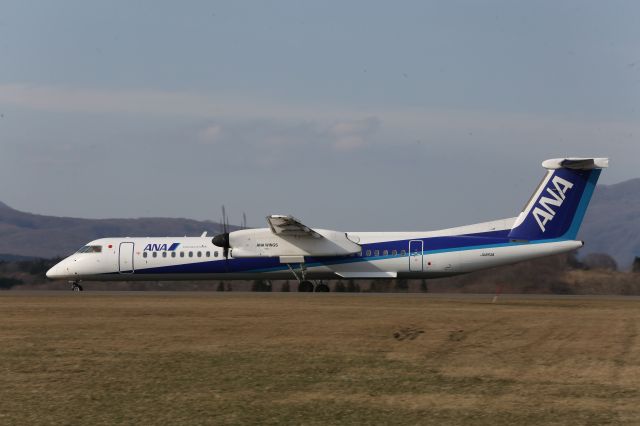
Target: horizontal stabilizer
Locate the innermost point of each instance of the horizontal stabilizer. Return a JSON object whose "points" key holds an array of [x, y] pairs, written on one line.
{"points": [[576, 163]]}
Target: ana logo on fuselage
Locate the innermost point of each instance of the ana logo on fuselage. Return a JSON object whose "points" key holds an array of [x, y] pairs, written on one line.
{"points": [[545, 213], [161, 247]]}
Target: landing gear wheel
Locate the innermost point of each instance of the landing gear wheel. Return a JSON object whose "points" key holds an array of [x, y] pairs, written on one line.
{"points": [[76, 287], [322, 288], [305, 286]]}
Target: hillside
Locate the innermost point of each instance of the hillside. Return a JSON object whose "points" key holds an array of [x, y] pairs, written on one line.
{"points": [[612, 222], [612, 225], [27, 234]]}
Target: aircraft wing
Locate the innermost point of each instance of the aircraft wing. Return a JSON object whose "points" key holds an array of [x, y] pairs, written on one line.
{"points": [[290, 226]]}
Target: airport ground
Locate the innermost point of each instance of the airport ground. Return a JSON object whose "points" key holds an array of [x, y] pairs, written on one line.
{"points": [[317, 359]]}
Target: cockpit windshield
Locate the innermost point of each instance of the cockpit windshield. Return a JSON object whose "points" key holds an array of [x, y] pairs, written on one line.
{"points": [[90, 249]]}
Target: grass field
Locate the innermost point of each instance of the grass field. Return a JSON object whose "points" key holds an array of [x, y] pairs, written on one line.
{"points": [[225, 358]]}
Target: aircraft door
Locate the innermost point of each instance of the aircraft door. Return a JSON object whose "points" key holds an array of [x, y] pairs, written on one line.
{"points": [[415, 256], [125, 261]]}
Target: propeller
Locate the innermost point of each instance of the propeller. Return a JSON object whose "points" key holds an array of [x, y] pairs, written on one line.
{"points": [[222, 240], [225, 220]]}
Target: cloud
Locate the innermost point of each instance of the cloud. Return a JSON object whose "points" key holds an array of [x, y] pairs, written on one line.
{"points": [[153, 103], [342, 128], [282, 141], [184, 103], [54, 98], [352, 134], [211, 135]]}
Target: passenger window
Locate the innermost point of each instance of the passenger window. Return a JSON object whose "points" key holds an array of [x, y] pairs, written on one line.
{"points": [[181, 254], [144, 254], [199, 254], [215, 254], [394, 252], [208, 254], [164, 254], [368, 252], [190, 254], [385, 253], [403, 252], [155, 254], [173, 254], [376, 253]]}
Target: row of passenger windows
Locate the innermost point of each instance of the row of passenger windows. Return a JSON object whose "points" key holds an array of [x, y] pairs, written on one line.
{"points": [[215, 253], [182, 254], [385, 253]]}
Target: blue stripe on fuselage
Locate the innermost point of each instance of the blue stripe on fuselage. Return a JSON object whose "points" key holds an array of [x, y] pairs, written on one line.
{"points": [[431, 245]]}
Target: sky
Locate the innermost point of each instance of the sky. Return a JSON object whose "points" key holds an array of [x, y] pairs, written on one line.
{"points": [[350, 115]]}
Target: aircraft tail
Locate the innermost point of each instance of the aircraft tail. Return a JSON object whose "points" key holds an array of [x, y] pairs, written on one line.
{"points": [[557, 207]]}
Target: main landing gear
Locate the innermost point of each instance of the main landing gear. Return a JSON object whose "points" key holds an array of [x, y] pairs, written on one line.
{"points": [[305, 285], [322, 288], [309, 287], [75, 286]]}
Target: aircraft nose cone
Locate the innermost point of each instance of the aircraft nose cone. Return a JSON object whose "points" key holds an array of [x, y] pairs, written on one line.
{"points": [[56, 271]]}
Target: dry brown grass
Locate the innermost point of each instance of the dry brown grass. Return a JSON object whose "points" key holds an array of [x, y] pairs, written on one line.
{"points": [[226, 358]]}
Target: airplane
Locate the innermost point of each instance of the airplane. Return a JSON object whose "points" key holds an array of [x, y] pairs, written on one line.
{"points": [[288, 249]]}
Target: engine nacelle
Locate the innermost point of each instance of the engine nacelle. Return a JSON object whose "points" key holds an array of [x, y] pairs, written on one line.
{"points": [[264, 243]]}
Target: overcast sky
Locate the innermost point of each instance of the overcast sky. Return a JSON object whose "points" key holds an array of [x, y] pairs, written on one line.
{"points": [[356, 115]]}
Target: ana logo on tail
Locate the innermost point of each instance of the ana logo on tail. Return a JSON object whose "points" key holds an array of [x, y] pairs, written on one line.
{"points": [[545, 213]]}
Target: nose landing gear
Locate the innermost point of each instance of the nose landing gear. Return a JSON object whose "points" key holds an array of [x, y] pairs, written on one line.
{"points": [[75, 286]]}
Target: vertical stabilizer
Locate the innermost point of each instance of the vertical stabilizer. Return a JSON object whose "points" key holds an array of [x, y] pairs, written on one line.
{"points": [[557, 207]]}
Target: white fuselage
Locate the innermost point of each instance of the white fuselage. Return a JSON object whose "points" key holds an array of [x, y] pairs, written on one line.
{"points": [[380, 255]]}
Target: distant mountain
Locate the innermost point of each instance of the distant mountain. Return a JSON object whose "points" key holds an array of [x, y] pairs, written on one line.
{"points": [[15, 257], [612, 225], [27, 234], [612, 222]]}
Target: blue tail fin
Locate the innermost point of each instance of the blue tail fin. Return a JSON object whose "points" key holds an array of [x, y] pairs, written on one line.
{"points": [[557, 207]]}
